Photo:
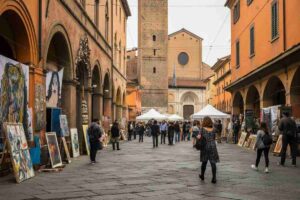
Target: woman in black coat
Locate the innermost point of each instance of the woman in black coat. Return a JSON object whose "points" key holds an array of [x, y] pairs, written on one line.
{"points": [[210, 152]]}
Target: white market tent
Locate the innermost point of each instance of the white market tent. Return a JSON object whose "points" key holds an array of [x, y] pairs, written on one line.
{"points": [[151, 114], [175, 118], [211, 112]]}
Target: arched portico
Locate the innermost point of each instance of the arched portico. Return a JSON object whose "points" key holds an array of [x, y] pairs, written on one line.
{"points": [[274, 93], [295, 94], [238, 104], [253, 101]]}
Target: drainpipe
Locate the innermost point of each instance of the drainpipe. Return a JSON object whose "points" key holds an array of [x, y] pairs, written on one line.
{"points": [[284, 25]]}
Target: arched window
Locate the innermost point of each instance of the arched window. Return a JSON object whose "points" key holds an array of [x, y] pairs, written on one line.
{"points": [[154, 70], [154, 38]]}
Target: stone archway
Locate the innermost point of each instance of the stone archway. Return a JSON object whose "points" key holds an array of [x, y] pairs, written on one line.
{"points": [[189, 100], [295, 94], [253, 101], [58, 56], [106, 97], [17, 35], [274, 93], [238, 104], [96, 93]]}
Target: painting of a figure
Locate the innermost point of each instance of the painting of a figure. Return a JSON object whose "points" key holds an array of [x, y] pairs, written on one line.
{"points": [[53, 87], [40, 107], [20, 156], [75, 142], [64, 126], [14, 79], [53, 148]]}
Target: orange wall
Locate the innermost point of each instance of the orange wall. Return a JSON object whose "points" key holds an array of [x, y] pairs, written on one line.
{"points": [[258, 14]]}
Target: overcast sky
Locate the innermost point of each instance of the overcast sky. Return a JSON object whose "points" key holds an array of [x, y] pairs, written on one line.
{"points": [[207, 18]]}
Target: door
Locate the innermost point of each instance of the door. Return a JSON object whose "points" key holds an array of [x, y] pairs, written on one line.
{"points": [[188, 110]]}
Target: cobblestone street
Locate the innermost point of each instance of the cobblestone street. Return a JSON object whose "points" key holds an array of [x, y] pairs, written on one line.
{"points": [[169, 172]]}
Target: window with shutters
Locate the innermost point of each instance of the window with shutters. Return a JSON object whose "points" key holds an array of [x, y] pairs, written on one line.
{"points": [[249, 2], [252, 41], [275, 20], [236, 12], [237, 49]]}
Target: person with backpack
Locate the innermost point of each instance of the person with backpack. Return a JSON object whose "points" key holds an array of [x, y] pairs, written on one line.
{"points": [[95, 134], [263, 143], [115, 135], [287, 126]]}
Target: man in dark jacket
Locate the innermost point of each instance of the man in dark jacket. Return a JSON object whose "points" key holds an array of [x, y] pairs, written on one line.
{"points": [[171, 131], [287, 127], [115, 135], [141, 130], [236, 130], [155, 130], [95, 133]]}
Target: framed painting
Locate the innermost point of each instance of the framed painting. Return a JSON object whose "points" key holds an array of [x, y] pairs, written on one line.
{"points": [[242, 139], [53, 148], [66, 149], [75, 143], [20, 156], [65, 132], [253, 142], [86, 139]]}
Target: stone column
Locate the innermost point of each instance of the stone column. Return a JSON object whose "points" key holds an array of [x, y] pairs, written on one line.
{"points": [[69, 102]]}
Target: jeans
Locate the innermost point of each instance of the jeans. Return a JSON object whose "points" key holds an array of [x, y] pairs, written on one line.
{"points": [[155, 140], [292, 141], [213, 168], [93, 151], [266, 154], [114, 141], [163, 137], [141, 137], [177, 136]]}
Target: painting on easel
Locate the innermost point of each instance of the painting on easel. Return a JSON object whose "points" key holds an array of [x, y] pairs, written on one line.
{"points": [[53, 148], [75, 142], [20, 156]]}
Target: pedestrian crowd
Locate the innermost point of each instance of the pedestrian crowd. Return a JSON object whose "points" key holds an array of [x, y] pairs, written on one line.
{"points": [[204, 136]]}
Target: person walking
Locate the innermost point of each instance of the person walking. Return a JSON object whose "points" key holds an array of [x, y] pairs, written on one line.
{"points": [[95, 134], [262, 147], [163, 131], [177, 132], [236, 130], [288, 128], [171, 131], [134, 131], [115, 135], [130, 130], [210, 152], [155, 130], [188, 131], [195, 131], [141, 130]]}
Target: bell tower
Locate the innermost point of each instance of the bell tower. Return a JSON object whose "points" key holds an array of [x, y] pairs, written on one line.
{"points": [[153, 49]]}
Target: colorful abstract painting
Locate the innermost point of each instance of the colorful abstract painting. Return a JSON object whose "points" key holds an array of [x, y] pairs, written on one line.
{"points": [[65, 132], [14, 92], [40, 107], [53, 88], [53, 148], [86, 139], [75, 142], [20, 156]]}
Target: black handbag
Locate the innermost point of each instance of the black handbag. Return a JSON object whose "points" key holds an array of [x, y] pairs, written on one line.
{"points": [[200, 143]]}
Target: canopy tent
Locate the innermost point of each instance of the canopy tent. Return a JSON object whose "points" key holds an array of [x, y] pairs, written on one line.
{"points": [[151, 114], [175, 118], [211, 112]]}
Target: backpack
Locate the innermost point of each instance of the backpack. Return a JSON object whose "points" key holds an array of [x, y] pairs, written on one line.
{"points": [[267, 140]]}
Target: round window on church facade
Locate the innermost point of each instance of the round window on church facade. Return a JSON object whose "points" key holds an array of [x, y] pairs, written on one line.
{"points": [[183, 58]]}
